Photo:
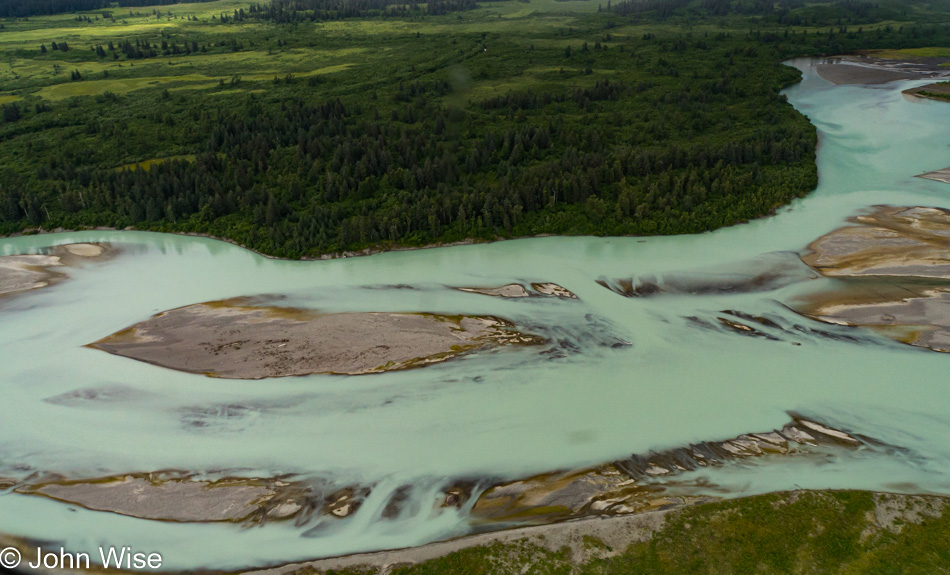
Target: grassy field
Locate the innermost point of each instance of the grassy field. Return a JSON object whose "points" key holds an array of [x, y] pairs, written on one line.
{"points": [[366, 43]]}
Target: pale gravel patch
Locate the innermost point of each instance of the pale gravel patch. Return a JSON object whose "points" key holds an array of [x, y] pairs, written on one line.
{"points": [[229, 339]]}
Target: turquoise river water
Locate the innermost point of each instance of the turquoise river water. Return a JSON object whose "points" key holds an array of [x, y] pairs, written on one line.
{"points": [[504, 414]]}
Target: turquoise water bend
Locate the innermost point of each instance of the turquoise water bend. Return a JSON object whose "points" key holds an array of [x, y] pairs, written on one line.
{"points": [[505, 414]]}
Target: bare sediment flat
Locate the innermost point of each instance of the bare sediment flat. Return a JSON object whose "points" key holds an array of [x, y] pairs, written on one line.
{"points": [[180, 497], [889, 241], [27, 272], [231, 339], [648, 482], [850, 73], [870, 68], [516, 290], [21, 273], [180, 500], [936, 91], [552, 289], [894, 272], [505, 291], [765, 273], [938, 175]]}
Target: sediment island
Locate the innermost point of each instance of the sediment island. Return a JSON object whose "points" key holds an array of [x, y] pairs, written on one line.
{"points": [[22, 273], [233, 339], [893, 275]]}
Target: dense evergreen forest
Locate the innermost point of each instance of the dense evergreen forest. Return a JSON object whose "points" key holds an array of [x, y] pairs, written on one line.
{"points": [[286, 11], [660, 131]]}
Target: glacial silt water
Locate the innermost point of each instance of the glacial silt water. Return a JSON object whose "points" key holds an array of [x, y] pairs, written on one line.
{"points": [[504, 414]]}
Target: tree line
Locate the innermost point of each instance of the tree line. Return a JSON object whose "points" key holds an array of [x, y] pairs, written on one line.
{"points": [[303, 178], [287, 11]]}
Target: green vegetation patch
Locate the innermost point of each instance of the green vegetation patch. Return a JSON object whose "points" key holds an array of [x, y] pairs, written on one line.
{"points": [[815, 532]]}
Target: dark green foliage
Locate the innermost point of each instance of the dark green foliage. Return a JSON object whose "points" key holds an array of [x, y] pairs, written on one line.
{"points": [[287, 11], [806, 532], [671, 134], [300, 177]]}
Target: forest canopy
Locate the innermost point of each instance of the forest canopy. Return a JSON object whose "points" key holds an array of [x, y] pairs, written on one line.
{"points": [[422, 123]]}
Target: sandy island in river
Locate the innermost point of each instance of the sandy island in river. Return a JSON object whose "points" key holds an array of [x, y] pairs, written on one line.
{"points": [[869, 68], [893, 272], [180, 497], [860, 74], [517, 290], [937, 175], [21, 273], [234, 340]]}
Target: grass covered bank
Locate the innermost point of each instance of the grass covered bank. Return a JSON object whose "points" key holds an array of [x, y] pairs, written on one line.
{"points": [[816, 532]]}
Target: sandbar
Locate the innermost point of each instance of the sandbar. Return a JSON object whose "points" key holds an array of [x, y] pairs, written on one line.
{"points": [[22, 273], [231, 339], [516, 290], [893, 272], [860, 74]]}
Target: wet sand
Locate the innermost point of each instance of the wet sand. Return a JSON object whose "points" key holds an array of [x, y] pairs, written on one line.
{"points": [[938, 175], [519, 291], [941, 89], [888, 241], [858, 74], [894, 275], [645, 482], [180, 497], [22, 273], [869, 68], [231, 339], [767, 272]]}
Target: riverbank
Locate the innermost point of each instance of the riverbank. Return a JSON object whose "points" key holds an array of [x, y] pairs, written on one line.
{"points": [[870, 69], [817, 531], [327, 256], [814, 531], [939, 91]]}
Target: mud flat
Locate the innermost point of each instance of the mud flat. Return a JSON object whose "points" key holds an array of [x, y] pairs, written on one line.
{"points": [[936, 91], [938, 175], [181, 497], [232, 339], [888, 241], [768, 272], [647, 482], [871, 69], [893, 272], [847, 73], [22, 273], [516, 290]]}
